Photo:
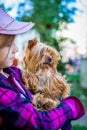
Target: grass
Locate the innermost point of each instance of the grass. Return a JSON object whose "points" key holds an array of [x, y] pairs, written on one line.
{"points": [[78, 127]]}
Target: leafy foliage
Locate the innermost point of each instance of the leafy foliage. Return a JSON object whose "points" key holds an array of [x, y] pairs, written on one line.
{"points": [[50, 15]]}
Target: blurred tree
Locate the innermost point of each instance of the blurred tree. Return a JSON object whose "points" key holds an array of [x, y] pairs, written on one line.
{"points": [[48, 16]]}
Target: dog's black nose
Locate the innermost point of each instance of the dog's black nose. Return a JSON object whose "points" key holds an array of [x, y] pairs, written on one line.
{"points": [[49, 59]]}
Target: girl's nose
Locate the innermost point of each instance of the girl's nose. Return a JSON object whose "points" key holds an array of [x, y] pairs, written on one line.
{"points": [[15, 49]]}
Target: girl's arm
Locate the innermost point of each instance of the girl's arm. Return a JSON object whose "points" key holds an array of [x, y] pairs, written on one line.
{"points": [[27, 117]]}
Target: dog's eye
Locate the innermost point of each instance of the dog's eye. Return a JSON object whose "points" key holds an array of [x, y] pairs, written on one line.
{"points": [[49, 59]]}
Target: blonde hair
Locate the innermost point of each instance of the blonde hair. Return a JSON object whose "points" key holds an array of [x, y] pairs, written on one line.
{"points": [[6, 39]]}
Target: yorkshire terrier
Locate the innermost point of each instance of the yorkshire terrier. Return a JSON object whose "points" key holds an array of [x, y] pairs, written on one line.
{"points": [[49, 87]]}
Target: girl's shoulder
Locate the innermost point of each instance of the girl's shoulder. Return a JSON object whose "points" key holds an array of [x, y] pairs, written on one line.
{"points": [[14, 69]]}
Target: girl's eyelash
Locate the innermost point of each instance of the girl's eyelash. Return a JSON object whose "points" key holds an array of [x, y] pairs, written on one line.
{"points": [[8, 45]]}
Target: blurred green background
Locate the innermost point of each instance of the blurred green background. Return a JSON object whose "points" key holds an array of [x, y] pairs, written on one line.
{"points": [[52, 20]]}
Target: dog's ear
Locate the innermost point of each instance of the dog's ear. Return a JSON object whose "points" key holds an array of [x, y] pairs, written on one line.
{"points": [[32, 43]]}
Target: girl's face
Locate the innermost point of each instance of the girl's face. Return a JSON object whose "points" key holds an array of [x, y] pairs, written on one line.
{"points": [[7, 54]]}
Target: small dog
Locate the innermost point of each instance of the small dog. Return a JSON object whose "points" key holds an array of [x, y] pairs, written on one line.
{"points": [[49, 87]]}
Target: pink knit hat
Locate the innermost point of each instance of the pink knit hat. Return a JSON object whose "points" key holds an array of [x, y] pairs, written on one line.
{"points": [[10, 26]]}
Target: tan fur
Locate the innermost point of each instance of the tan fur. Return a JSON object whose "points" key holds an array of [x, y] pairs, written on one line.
{"points": [[41, 75]]}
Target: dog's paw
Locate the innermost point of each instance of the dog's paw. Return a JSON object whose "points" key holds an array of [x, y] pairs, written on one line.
{"points": [[37, 101], [50, 104], [44, 103]]}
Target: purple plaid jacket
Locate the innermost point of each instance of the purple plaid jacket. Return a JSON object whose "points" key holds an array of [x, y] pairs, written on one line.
{"points": [[17, 111]]}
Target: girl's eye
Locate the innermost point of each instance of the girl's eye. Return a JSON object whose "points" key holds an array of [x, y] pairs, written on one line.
{"points": [[8, 45]]}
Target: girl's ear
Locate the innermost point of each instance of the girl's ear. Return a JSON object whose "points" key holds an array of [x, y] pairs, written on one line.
{"points": [[32, 43]]}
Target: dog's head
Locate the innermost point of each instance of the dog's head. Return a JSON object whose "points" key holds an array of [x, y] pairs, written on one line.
{"points": [[37, 55]]}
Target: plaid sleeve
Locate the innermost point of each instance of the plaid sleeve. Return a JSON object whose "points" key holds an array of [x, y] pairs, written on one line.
{"points": [[29, 118]]}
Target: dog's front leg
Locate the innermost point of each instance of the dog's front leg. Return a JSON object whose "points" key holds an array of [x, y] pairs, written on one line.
{"points": [[33, 81], [30, 80]]}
